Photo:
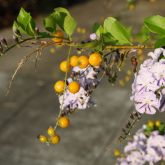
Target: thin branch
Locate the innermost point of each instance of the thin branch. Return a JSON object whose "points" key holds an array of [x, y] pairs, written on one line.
{"points": [[65, 80], [20, 64]]}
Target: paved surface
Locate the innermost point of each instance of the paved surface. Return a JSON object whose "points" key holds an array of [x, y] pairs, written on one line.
{"points": [[32, 105]]}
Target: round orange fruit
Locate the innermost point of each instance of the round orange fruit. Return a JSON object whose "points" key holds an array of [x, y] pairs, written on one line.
{"points": [[55, 139], [74, 61], [64, 66], [95, 59], [59, 86], [73, 87], [58, 37], [83, 62], [51, 131], [63, 122], [42, 139]]}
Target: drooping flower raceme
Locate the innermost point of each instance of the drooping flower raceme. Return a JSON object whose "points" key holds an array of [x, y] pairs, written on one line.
{"points": [[147, 146], [149, 83]]}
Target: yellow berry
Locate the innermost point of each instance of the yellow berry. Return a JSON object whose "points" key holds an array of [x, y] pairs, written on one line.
{"points": [[51, 131], [122, 83], [140, 52], [59, 86], [127, 78], [150, 124], [131, 7], [129, 72], [43, 139], [74, 61], [59, 35], [157, 123], [83, 31], [55, 139], [83, 62], [95, 59], [117, 153], [78, 30], [52, 50], [64, 66], [74, 87], [64, 122]]}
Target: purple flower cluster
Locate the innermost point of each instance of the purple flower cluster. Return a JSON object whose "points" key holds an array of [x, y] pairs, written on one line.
{"points": [[148, 91], [88, 80], [144, 149]]}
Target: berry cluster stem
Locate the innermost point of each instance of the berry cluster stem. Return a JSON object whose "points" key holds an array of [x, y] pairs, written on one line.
{"points": [[65, 80]]}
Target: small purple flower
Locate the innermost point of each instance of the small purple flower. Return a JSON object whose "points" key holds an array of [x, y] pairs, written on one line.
{"points": [[93, 36], [144, 149], [158, 71], [146, 102], [136, 158], [156, 54], [155, 147], [148, 80], [80, 100]]}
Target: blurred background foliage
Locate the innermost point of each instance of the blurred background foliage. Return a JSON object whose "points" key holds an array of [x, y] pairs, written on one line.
{"points": [[9, 8]]}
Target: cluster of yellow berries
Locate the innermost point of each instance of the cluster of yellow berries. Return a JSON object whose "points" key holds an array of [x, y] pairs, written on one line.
{"points": [[151, 124], [63, 122], [82, 62]]}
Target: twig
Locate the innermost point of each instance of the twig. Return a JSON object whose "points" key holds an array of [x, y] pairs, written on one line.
{"points": [[65, 80], [20, 64]]}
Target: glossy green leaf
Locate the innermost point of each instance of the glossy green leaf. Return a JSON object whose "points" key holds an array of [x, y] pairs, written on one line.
{"points": [[69, 25], [117, 30], [50, 23], [155, 24], [108, 39], [25, 23], [63, 19]]}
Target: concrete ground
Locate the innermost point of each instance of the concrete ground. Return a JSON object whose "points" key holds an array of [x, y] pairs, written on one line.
{"points": [[32, 105]]}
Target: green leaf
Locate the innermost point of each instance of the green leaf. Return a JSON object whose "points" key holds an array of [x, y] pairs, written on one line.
{"points": [[61, 18], [117, 30], [44, 35], [108, 39], [15, 26], [90, 45], [98, 29], [155, 24], [143, 35], [23, 18], [160, 42], [62, 10], [30, 29], [162, 129], [25, 23], [69, 25], [59, 15], [50, 23]]}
